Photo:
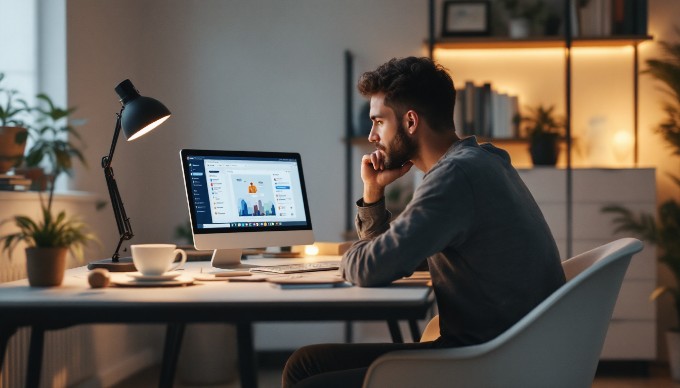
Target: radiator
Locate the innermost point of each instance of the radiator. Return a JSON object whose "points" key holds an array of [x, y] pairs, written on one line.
{"points": [[65, 359]]}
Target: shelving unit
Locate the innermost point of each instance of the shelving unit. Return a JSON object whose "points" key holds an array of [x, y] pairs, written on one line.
{"points": [[567, 42], [566, 196], [538, 42], [566, 203]]}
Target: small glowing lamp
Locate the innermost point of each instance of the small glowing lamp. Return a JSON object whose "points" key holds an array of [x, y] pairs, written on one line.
{"points": [[622, 142], [311, 250]]}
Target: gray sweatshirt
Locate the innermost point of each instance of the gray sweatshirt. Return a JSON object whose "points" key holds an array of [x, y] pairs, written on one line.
{"points": [[489, 250]]}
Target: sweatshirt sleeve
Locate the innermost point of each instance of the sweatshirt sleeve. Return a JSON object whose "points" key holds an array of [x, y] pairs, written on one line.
{"points": [[372, 220], [439, 215]]}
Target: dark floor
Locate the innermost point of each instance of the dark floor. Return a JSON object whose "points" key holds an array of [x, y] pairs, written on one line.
{"points": [[610, 375]]}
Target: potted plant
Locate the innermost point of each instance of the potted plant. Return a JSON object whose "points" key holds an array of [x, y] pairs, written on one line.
{"points": [[665, 231], [53, 145], [13, 132], [522, 16], [50, 237], [543, 129]]}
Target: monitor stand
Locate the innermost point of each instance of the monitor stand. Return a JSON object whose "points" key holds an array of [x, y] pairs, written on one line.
{"points": [[228, 259]]}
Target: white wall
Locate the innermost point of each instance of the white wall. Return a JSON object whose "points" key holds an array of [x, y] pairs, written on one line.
{"points": [[256, 75]]}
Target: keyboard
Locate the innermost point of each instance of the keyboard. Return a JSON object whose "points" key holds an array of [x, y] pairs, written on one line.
{"points": [[300, 267]]}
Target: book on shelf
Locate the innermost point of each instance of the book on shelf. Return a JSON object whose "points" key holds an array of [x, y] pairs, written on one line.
{"points": [[3, 176], [15, 181], [9, 187], [591, 18], [485, 112], [629, 17]]}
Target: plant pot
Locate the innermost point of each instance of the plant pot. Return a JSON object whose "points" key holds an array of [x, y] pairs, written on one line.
{"points": [[45, 266], [544, 150], [12, 147], [673, 344]]}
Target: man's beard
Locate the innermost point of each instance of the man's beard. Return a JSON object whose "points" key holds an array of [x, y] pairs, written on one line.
{"points": [[400, 150]]}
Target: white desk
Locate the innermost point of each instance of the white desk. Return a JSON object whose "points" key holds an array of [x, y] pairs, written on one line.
{"points": [[240, 303]]}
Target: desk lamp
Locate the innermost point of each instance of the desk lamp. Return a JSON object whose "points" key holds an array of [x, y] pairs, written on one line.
{"points": [[137, 117]]}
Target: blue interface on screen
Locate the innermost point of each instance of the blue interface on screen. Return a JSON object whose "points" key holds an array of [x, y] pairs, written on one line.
{"points": [[246, 192]]}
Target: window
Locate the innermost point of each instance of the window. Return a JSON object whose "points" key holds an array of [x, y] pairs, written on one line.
{"points": [[19, 59]]}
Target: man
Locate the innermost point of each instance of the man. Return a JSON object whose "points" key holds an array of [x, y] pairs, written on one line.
{"points": [[489, 250]]}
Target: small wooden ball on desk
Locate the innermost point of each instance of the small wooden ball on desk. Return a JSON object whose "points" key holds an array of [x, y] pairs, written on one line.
{"points": [[99, 278]]}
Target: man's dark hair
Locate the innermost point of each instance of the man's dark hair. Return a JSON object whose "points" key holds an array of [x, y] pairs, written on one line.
{"points": [[414, 83]]}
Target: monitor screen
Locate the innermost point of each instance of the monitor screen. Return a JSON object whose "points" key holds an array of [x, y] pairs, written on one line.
{"points": [[242, 199]]}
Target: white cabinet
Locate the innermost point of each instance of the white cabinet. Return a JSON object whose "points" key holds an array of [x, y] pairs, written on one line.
{"points": [[632, 332]]}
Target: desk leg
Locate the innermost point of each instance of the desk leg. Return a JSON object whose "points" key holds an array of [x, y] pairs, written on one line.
{"points": [[415, 330], [173, 344], [348, 332], [246, 355], [35, 353], [395, 331], [6, 332]]}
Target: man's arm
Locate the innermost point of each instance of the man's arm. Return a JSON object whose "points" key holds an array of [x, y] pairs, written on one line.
{"points": [[440, 214]]}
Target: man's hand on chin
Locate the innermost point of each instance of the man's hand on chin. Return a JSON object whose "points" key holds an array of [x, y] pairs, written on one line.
{"points": [[376, 177]]}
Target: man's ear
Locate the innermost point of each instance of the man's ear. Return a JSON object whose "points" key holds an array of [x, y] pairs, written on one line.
{"points": [[411, 121]]}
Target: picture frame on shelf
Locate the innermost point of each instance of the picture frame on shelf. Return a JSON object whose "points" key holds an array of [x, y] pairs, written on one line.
{"points": [[466, 18]]}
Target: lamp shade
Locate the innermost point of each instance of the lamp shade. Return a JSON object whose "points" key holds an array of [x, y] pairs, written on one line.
{"points": [[141, 114]]}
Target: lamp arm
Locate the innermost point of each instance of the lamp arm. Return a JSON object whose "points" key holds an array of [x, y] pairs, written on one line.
{"points": [[123, 222], [106, 160]]}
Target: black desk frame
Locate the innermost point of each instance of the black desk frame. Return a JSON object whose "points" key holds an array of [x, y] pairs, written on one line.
{"points": [[177, 315]]}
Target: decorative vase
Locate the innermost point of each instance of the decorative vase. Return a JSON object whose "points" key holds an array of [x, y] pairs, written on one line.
{"points": [[45, 266], [673, 343], [518, 28], [12, 146], [544, 150]]}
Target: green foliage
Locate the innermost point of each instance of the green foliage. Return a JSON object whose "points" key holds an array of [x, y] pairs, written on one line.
{"points": [[49, 232], [642, 225], [665, 231], [12, 109], [542, 121], [183, 233], [667, 70], [532, 10], [53, 138]]}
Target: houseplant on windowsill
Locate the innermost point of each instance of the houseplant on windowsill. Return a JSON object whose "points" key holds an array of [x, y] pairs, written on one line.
{"points": [[13, 132], [543, 130], [54, 147], [49, 237], [665, 231]]}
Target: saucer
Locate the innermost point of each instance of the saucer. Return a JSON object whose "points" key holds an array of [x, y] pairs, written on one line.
{"points": [[124, 281], [154, 278]]}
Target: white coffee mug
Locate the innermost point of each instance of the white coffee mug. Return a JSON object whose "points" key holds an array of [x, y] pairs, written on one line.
{"points": [[156, 259]]}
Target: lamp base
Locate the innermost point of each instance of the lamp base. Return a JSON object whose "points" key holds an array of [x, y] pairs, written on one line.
{"points": [[124, 264]]}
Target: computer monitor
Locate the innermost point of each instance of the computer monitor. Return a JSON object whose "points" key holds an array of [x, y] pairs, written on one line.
{"points": [[243, 199]]}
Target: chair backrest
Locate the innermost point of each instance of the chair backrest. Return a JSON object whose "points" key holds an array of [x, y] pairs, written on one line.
{"points": [[557, 344]]}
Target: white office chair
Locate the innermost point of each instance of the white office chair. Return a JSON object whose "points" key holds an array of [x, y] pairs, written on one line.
{"points": [[557, 344]]}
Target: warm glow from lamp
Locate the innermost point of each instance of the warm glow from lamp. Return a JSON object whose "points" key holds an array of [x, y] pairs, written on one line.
{"points": [[311, 250], [622, 143], [148, 128], [498, 53], [604, 51]]}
